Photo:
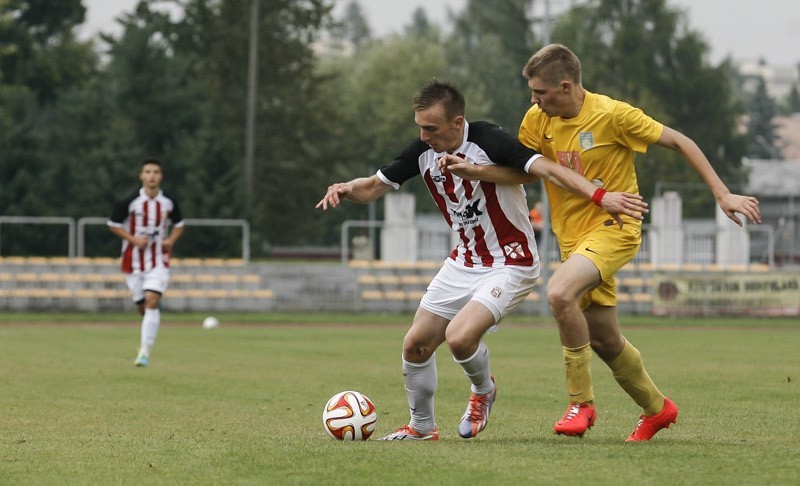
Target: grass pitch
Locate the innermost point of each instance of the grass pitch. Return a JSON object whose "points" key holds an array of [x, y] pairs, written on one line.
{"points": [[242, 404]]}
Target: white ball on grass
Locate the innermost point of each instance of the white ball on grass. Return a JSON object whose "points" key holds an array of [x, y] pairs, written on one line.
{"points": [[210, 322]]}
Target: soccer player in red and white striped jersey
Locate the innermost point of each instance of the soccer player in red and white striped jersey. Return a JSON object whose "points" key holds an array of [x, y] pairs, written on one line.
{"points": [[141, 221], [495, 263]]}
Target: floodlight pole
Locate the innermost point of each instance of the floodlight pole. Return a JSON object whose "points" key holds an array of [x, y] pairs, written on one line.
{"points": [[547, 21], [252, 81]]}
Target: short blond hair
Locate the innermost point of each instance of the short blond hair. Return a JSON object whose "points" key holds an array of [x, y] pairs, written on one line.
{"points": [[552, 64]]}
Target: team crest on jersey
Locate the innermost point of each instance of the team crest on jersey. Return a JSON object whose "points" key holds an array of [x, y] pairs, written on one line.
{"points": [[514, 250], [497, 292], [587, 140]]}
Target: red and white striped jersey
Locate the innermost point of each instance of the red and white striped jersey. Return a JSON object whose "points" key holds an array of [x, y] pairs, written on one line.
{"points": [[141, 215], [491, 219]]}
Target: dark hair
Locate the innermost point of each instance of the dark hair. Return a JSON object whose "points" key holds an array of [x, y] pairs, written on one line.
{"points": [[443, 92], [151, 161]]}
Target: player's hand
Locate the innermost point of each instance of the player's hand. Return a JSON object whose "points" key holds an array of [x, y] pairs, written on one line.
{"points": [[617, 203], [141, 242], [458, 167], [745, 205], [334, 196]]}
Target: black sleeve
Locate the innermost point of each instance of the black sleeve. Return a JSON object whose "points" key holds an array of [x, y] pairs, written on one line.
{"points": [[406, 165], [120, 211], [501, 147], [175, 216]]}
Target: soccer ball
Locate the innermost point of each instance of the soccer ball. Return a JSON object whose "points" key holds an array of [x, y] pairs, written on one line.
{"points": [[210, 322], [349, 415]]}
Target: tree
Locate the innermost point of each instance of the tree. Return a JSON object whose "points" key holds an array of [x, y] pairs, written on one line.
{"points": [[792, 103], [356, 27], [761, 126], [488, 47], [420, 26], [39, 50], [211, 41], [373, 119], [40, 61]]}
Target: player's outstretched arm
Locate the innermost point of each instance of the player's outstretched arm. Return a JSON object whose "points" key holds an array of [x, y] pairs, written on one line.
{"points": [[490, 173], [730, 203], [361, 190]]}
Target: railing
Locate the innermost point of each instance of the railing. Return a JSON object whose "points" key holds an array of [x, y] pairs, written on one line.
{"points": [[69, 222], [699, 245], [76, 231]]}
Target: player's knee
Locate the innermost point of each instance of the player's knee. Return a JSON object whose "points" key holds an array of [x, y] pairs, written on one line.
{"points": [[558, 296], [461, 345], [416, 351]]}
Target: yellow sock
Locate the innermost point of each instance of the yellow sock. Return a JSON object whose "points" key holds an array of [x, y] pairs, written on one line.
{"points": [[628, 370], [579, 374]]}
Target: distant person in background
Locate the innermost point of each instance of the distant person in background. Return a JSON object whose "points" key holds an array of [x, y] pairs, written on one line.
{"points": [[495, 264], [536, 215], [140, 220]]}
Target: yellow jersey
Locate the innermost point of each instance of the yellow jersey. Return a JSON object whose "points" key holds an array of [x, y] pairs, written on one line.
{"points": [[600, 144]]}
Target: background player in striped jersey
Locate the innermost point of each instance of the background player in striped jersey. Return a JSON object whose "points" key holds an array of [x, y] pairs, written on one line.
{"points": [[495, 264], [140, 220]]}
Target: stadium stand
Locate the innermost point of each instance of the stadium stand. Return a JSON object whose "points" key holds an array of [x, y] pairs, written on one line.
{"points": [[398, 286], [96, 284]]}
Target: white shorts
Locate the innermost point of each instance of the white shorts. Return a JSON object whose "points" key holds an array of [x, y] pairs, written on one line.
{"points": [[499, 289], [154, 280]]}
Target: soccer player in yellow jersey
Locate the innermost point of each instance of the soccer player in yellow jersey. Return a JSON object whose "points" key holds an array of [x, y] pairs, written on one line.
{"points": [[598, 137]]}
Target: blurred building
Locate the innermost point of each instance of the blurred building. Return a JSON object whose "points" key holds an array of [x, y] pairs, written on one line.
{"points": [[779, 79]]}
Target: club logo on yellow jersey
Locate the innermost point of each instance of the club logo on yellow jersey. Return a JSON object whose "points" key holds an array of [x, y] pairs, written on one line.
{"points": [[570, 160], [587, 140]]}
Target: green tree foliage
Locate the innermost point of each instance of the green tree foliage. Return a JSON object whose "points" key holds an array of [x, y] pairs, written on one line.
{"points": [[643, 52], [356, 27], [173, 89], [209, 49], [374, 119], [420, 25], [40, 60], [792, 103], [761, 111], [39, 50], [76, 119], [489, 44]]}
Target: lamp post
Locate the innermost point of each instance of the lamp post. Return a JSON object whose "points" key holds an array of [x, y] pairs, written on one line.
{"points": [[250, 116]]}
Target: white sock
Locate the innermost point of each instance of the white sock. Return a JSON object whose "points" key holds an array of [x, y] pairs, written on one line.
{"points": [[150, 324], [421, 380], [476, 367]]}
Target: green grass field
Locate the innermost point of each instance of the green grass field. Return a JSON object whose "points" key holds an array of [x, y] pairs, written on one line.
{"points": [[242, 404]]}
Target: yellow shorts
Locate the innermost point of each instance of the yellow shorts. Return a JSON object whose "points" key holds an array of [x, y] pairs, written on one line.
{"points": [[609, 248]]}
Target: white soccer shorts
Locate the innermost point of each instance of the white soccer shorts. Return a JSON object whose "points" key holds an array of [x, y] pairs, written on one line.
{"points": [[500, 289], [155, 280]]}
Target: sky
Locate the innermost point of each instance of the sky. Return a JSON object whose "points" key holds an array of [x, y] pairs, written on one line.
{"points": [[741, 29]]}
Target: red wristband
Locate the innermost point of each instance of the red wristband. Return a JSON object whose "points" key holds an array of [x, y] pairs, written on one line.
{"points": [[598, 195]]}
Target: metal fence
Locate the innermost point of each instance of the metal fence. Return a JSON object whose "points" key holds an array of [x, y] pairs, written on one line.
{"points": [[434, 243], [76, 238]]}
